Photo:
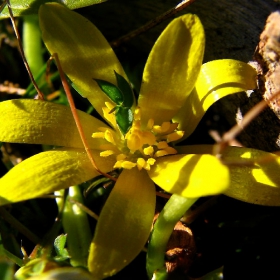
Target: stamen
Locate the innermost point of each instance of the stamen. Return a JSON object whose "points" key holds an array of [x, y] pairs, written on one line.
{"points": [[98, 135], [151, 161], [162, 145], [108, 115], [166, 151], [106, 153], [148, 138], [134, 142], [174, 136], [165, 127], [150, 124], [109, 137], [149, 143], [149, 151], [124, 164], [140, 163], [137, 114]]}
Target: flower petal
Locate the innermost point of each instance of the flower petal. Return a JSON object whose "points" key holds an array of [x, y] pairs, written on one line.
{"points": [[172, 68], [124, 224], [83, 51], [259, 183], [39, 122], [217, 79], [190, 175], [49, 171]]}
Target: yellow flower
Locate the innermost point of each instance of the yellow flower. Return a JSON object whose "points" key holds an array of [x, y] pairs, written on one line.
{"points": [[174, 95]]}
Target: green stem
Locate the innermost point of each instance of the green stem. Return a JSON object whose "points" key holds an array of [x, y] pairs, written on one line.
{"points": [[76, 225], [169, 216], [32, 44]]}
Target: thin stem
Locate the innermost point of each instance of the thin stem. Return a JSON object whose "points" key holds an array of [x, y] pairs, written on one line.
{"points": [[40, 94], [76, 117], [247, 119], [182, 5], [169, 216], [83, 208]]}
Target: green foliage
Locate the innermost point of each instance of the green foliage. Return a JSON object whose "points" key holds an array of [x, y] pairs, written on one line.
{"points": [[31, 7], [59, 246], [123, 96]]}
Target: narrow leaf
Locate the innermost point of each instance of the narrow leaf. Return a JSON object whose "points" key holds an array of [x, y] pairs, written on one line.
{"points": [[112, 91], [31, 7], [128, 96], [124, 118]]}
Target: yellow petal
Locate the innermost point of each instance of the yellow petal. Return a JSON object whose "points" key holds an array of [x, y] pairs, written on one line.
{"points": [[49, 171], [83, 51], [217, 79], [190, 175], [41, 122], [259, 184], [124, 224], [172, 69]]}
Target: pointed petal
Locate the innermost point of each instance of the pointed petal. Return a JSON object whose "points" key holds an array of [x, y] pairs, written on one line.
{"points": [[49, 171], [217, 79], [83, 51], [172, 68], [124, 224], [39, 122], [190, 175], [260, 183]]}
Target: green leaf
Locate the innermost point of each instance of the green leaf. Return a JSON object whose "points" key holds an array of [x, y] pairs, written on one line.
{"points": [[124, 118], [124, 224], [128, 96], [59, 246], [112, 91], [31, 7]]}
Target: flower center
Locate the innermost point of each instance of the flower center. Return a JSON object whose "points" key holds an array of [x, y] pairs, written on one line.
{"points": [[139, 147]]}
